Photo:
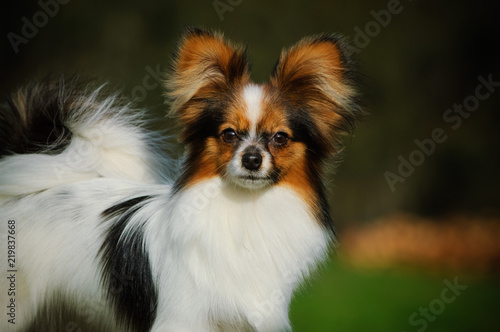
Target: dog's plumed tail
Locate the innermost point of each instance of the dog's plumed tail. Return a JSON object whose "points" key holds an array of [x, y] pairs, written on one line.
{"points": [[64, 131]]}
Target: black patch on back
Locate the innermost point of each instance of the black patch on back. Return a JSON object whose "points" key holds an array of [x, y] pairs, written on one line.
{"points": [[121, 208], [127, 270]]}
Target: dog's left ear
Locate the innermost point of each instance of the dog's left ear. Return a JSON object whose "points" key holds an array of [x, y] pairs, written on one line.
{"points": [[206, 68], [317, 78]]}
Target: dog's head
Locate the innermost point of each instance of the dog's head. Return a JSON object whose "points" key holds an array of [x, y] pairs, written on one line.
{"points": [[257, 135]]}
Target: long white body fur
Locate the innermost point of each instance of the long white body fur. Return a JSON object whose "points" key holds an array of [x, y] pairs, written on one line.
{"points": [[203, 241]]}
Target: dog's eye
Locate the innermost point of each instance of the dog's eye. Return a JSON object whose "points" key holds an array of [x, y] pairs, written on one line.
{"points": [[280, 138], [229, 135]]}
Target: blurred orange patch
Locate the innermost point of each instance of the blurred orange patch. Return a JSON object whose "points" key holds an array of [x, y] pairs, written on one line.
{"points": [[457, 243]]}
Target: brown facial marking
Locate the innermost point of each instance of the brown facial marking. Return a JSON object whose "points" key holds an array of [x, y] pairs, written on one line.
{"points": [[310, 97], [235, 116]]}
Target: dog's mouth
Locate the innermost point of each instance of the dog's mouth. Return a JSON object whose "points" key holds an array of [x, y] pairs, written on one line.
{"points": [[252, 181], [252, 177]]}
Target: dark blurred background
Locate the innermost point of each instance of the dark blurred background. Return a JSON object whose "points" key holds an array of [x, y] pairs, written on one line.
{"points": [[422, 59]]}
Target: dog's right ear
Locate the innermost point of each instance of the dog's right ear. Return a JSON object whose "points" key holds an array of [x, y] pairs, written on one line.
{"points": [[205, 69]]}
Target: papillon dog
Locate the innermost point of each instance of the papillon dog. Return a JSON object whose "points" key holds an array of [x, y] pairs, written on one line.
{"points": [[94, 227]]}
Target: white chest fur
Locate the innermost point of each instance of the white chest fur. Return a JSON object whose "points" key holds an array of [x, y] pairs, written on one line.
{"points": [[236, 253]]}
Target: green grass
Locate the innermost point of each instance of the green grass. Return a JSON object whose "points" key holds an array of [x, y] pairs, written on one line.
{"points": [[342, 298]]}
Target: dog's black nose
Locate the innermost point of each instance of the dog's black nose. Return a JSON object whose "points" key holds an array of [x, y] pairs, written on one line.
{"points": [[251, 160]]}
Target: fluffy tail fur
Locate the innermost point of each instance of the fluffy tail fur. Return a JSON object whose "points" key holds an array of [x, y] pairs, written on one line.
{"points": [[57, 132]]}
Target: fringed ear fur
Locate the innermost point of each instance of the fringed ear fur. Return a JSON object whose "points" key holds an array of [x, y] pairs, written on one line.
{"points": [[316, 79], [206, 68], [317, 76]]}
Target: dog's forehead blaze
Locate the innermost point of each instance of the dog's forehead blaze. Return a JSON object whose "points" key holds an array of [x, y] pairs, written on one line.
{"points": [[256, 112], [270, 121], [273, 116], [236, 118]]}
